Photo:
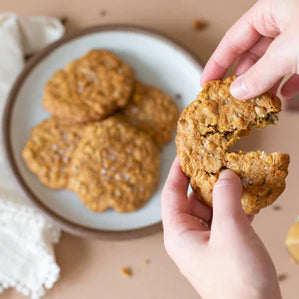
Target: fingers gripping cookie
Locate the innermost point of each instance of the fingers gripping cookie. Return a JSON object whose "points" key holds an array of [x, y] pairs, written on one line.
{"points": [[210, 125]]}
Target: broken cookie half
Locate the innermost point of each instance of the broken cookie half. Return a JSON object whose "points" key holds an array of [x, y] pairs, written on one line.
{"points": [[210, 125]]}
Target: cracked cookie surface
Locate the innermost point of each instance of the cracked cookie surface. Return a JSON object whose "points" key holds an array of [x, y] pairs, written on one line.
{"points": [[49, 150], [153, 112], [89, 88], [115, 165], [210, 125]]}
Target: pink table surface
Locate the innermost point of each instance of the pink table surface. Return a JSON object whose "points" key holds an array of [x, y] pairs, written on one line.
{"points": [[91, 268]]}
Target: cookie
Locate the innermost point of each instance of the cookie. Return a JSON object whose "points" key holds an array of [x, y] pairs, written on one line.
{"points": [[89, 88], [210, 125], [49, 150], [115, 165], [153, 112]]}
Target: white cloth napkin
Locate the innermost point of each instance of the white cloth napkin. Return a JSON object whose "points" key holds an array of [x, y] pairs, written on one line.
{"points": [[27, 260]]}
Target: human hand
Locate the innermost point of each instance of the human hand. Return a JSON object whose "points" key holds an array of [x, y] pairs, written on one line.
{"points": [[227, 260], [266, 42]]}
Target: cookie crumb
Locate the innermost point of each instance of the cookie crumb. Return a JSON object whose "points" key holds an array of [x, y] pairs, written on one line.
{"points": [[27, 57], [277, 207], [103, 13], [199, 24], [178, 96], [245, 182], [64, 20], [282, 277], [146, 261], [126, 271]]}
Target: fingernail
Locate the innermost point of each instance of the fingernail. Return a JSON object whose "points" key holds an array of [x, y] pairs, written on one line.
{"points": [[229, 178], [238, 88], [226, 174]]}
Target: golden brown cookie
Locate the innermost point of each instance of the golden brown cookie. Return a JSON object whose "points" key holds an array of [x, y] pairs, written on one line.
{"points": [[49, 150], [115, 165], [153, 112], [210, 125], [89, 88]]}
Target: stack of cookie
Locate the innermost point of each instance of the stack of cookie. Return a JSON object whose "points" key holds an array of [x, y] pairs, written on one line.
{"points": [[105, 133]]}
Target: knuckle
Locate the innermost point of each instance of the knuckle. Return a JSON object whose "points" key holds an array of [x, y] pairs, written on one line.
{"points": [[231, 43]]}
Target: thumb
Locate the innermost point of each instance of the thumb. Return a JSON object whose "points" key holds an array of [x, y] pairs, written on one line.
{"points": [[227, 208], [264, 73]]}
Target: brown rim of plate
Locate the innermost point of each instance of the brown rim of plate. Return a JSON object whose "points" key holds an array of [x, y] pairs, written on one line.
{"points": [[66, 225]]}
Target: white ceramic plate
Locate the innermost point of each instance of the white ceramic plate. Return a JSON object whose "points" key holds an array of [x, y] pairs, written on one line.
{"points": [[156, 60]]}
